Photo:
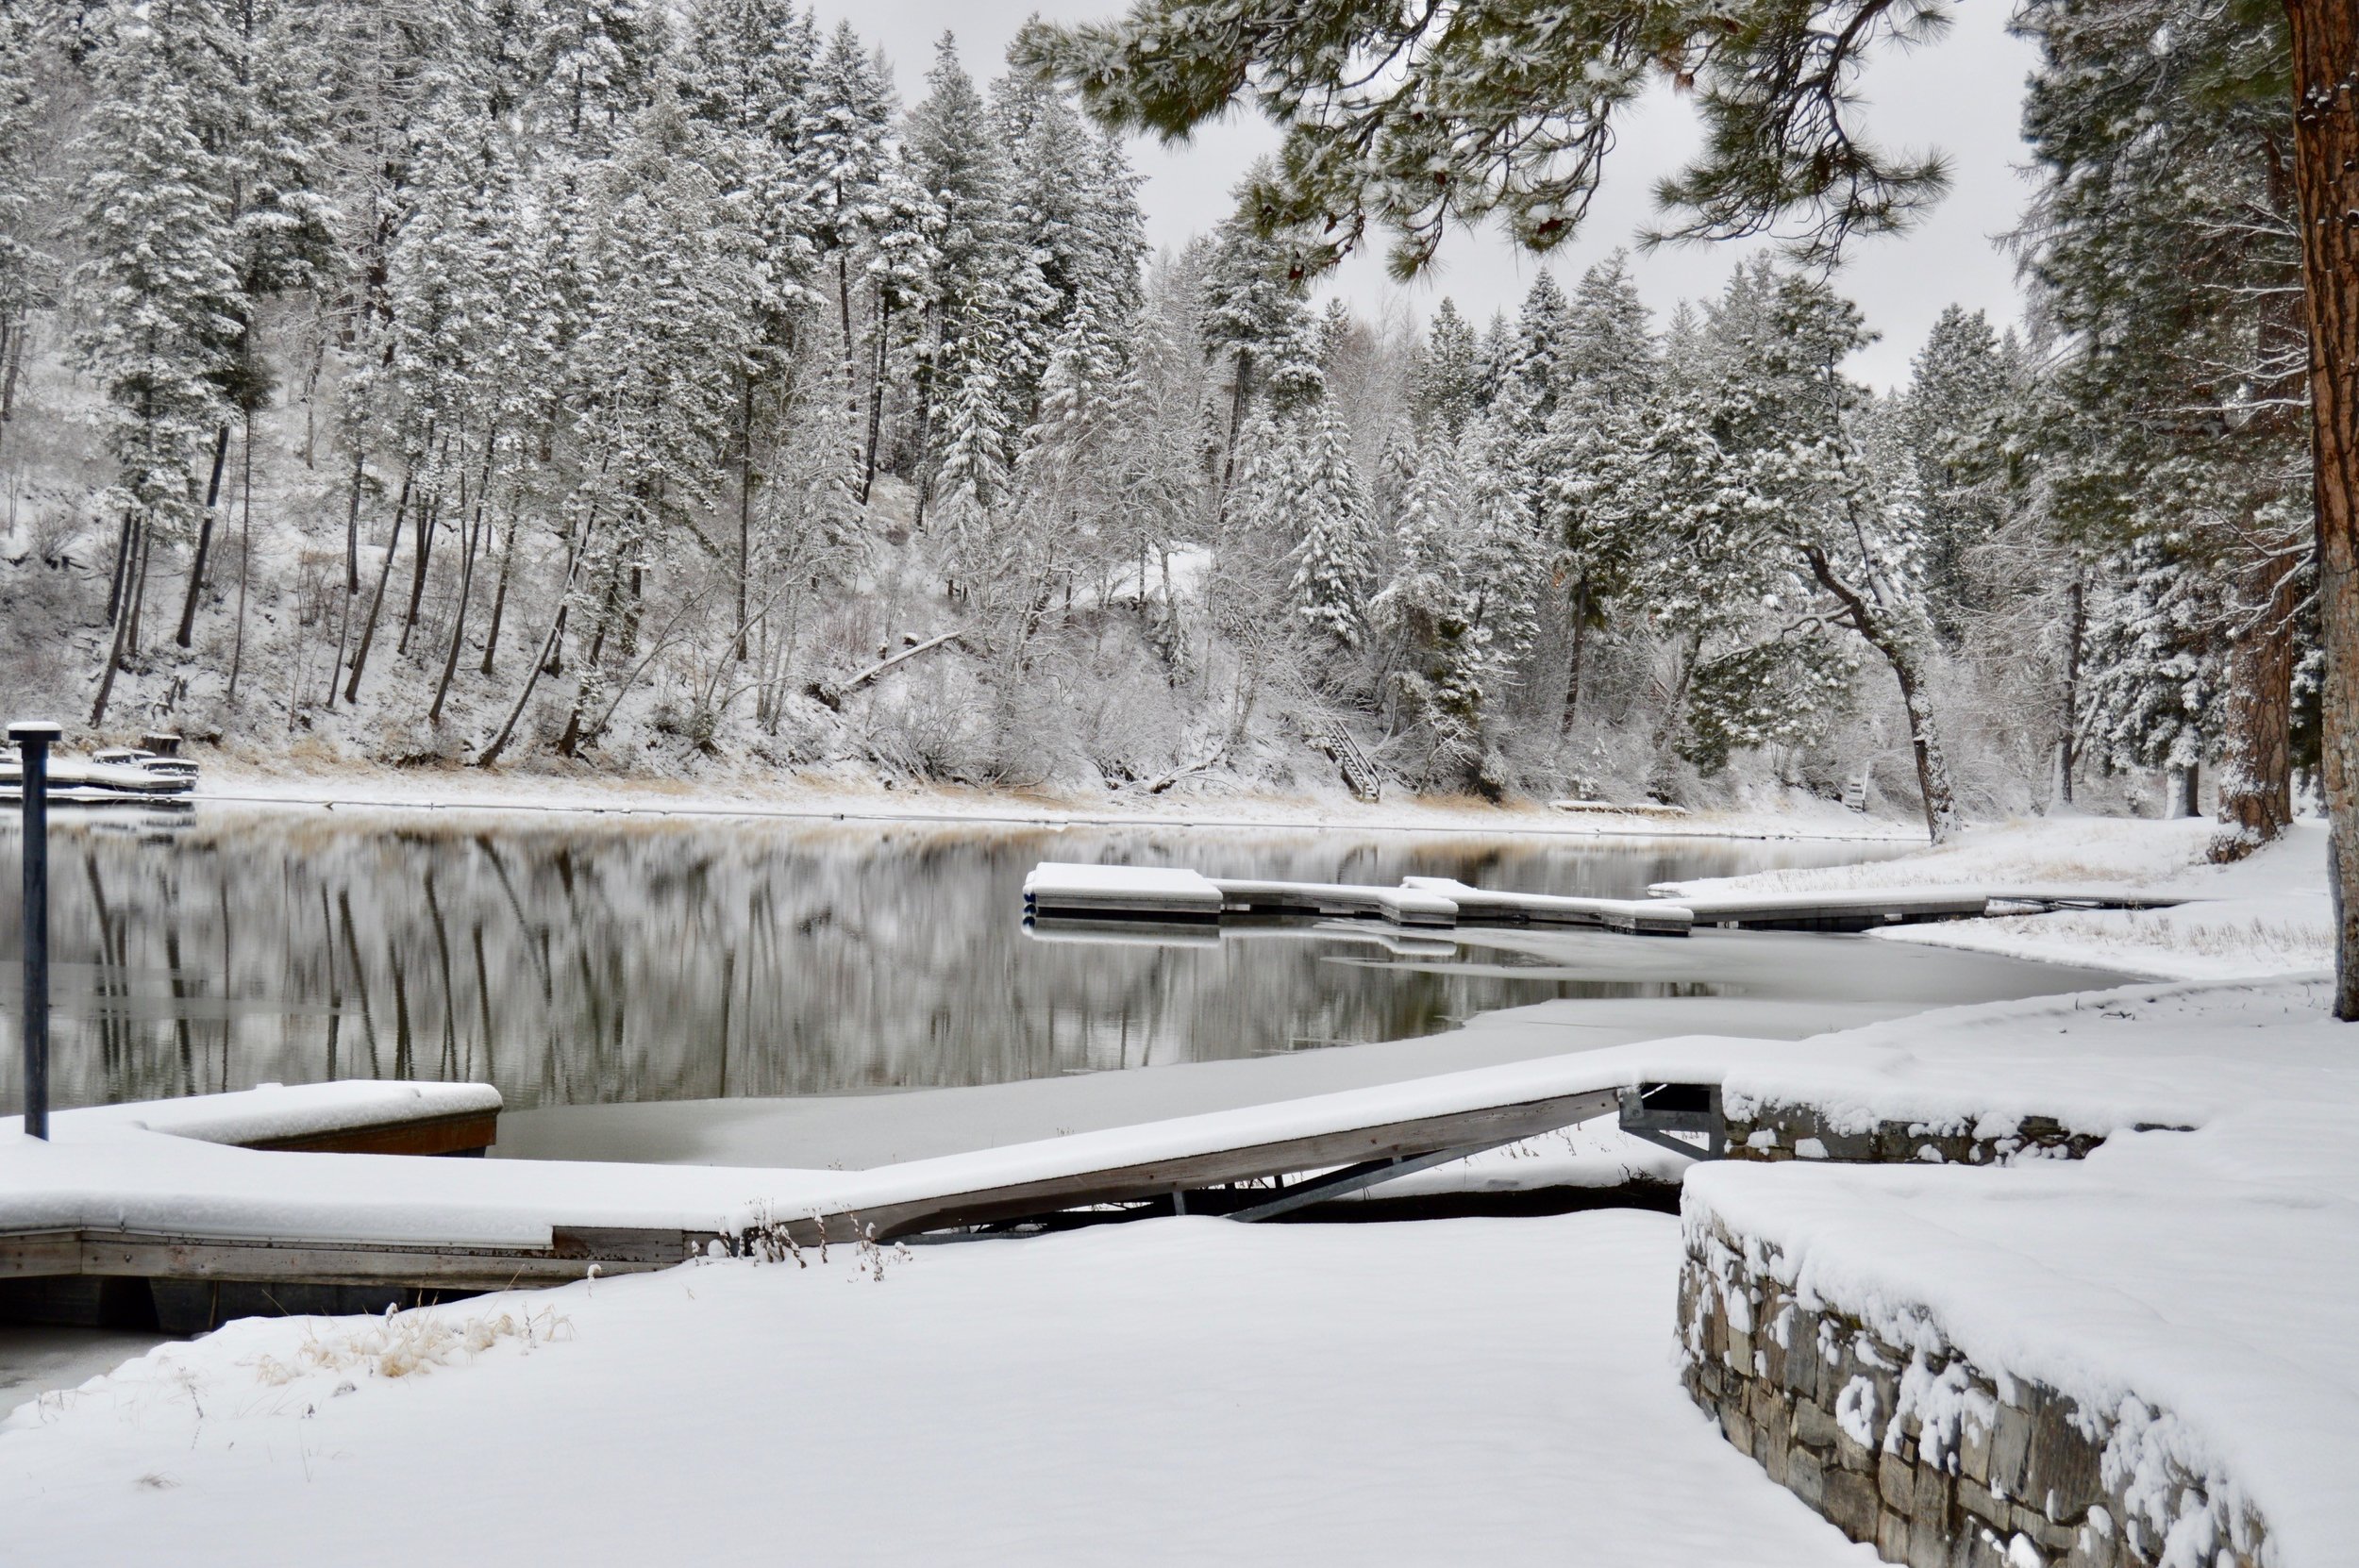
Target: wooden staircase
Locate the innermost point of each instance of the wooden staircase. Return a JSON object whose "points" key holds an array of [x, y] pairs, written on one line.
{"points": [[1360, 775]]}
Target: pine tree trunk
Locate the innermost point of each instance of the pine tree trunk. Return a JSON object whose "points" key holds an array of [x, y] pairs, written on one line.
{"points": [[549, 647], [203, 540], [116, 651], [746, 504], [1240, 398], [352, 525], [136, 611], [428, 518], [2256, 797], [458, 620], [245, 553], [1581, 625], [875, 410], [2191, 790], [2069, 721], [499, 595], [121, 570], [1901, 651], [376, 604], [2325, 37]]}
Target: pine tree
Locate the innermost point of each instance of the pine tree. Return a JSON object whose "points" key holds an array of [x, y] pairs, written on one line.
{"points": [[159, 289], [1449, 390], [27, 272], [955, 152], [1953, 422], [2169, 250], [1258, 328], [1334, 561]]}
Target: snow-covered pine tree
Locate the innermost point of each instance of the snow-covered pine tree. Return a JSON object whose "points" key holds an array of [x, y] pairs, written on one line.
{"points": [[28, 272], [1335, 559], [1588, 456], [955, 152], [844, 166], [1438, 687], [1258, 329], [1448, 386], [1953, 419], [158, 288], [2169, 253]]}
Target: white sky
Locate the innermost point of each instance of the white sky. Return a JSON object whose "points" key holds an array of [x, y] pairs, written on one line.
{"points": [[1962, 96]]}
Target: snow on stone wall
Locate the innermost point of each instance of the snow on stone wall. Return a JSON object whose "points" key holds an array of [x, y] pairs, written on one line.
{"points": [[1936, 1461]]}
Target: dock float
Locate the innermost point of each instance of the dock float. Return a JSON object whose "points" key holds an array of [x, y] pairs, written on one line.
{"points": [[1064, 892], [1067, 896]]}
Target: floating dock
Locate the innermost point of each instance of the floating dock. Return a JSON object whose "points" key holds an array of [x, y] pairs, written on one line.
{"points": [[1062, 891], [1068, 896]]}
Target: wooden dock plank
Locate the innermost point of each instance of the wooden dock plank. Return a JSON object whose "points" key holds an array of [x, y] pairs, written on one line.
{"points": [[1157, 1178]]}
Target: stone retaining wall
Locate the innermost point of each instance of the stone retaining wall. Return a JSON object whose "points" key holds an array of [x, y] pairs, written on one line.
{"points": [[1936, 1461], [1787, 1130]]}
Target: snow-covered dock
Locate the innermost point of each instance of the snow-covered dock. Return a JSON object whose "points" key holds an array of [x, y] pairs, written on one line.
{"points": [[224, 1187], [1867, 912], [1060, 890]]}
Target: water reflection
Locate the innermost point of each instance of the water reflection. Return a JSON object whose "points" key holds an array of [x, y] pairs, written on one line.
{"points": [[571, 964]]}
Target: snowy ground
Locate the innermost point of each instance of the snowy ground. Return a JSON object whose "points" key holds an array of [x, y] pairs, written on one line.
{"points": [[2271, 914], [1179, 1390]]}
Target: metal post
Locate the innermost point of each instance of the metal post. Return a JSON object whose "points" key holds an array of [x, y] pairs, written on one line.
{"points": [[32, 745]]}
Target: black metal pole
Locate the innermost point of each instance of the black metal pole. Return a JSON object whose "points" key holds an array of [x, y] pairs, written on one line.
{"points": [[32, 747]]}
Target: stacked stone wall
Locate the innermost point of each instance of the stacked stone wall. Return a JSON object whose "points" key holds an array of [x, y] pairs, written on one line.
{"points": [[1789, 1130], [1937, 1462]]}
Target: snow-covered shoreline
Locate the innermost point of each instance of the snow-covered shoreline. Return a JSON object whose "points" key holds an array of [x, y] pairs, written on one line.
{"points": [[238, 783]]}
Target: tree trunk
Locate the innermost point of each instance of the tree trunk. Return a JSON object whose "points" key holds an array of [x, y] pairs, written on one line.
{"points": [[368, 627], [1899, 650], [2325, 37], [136, 611], [458, 620], [116, 651], [2191, 790], [1240, 397], [1572, 682], [745, 504], [352, 525], [2069, 721], [2256, 797], [499, 595], [121, 570], [203, 540], [875, 407], [245, 553], [549, 648], [429, 517]]}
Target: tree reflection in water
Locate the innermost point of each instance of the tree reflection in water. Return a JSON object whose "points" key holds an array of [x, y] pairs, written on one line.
{"points": [[573, 961]]}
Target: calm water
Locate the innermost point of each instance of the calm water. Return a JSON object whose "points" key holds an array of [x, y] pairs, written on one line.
{"points": [[571, 962]]}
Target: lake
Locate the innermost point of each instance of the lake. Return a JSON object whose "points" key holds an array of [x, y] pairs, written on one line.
{"points": [[573, 960]]}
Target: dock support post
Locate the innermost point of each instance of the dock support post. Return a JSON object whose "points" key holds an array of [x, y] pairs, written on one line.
{"points": [[32, 744]]}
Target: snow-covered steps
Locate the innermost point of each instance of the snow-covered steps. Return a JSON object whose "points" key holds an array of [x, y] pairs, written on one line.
{"points": [[1059, 890]]}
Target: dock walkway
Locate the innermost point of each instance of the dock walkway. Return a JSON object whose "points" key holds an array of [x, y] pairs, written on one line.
{"points": [[1058, 892]]}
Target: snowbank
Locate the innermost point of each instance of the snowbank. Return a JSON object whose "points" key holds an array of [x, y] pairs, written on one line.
{"points": [[2269, 914], [1181, 1392]]}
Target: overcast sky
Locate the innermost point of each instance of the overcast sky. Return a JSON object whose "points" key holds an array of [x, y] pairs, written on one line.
{"points": [[1962, 96]]}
